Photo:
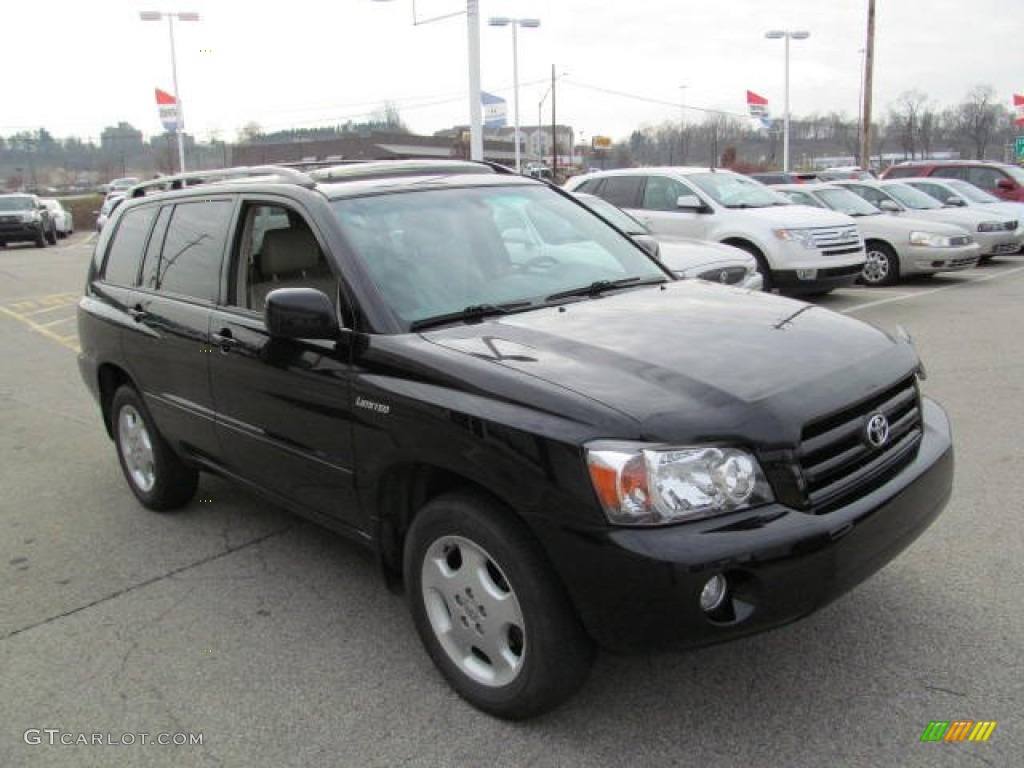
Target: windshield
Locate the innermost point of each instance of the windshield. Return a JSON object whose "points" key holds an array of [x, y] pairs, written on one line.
{"points": [[970, 192], [844, 201], [613, 214], [485, 250], [735, 191], [912, 198], [16, 204]]}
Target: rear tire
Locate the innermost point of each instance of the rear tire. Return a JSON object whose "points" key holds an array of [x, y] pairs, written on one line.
{"points": [[490, 610], [157, 477], [882, 266]]}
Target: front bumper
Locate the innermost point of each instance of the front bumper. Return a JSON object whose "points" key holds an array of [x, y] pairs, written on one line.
{"points": [[997, 243], [795, 282], [640, 588], [17, 231]]}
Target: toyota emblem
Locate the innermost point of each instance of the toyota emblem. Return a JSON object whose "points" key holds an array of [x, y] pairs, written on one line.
{"points": [[877, 430], [723, 276]]}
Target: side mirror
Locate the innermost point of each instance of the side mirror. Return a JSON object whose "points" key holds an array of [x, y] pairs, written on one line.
{"points": [[889, 206], [955, 200], [649, 244], [300, 313], [689, 201]]}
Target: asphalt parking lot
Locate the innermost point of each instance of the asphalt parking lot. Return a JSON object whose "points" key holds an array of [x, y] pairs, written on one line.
{"points": [[276, 644]]}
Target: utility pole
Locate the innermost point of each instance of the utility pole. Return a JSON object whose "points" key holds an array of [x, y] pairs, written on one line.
{"points": [[554, 131], [869, 64]]}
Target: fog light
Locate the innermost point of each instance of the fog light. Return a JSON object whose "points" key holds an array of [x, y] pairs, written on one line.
{"points": [[714, 593], [806, 274]]}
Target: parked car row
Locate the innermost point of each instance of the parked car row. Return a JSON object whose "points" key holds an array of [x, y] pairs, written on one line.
{"points": [[26, 218], [881, 230], [798, 250]]}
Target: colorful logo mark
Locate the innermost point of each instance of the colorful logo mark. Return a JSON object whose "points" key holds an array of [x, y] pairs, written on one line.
{"points": [[958, 730]]}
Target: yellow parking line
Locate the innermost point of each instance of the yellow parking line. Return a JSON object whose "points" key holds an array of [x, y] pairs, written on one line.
{"points": [[71, 342], [58, 322], [48, 309]]}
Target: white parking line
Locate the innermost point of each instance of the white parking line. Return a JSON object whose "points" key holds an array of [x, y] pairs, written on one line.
{"points": [[904, 296]]}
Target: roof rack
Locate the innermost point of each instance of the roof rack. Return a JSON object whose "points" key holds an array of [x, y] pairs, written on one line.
{"points": [[198, 178], [386, 169]]}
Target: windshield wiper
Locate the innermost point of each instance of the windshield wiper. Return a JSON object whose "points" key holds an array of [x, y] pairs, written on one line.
{"points": [[600, 286], [472, 312]]}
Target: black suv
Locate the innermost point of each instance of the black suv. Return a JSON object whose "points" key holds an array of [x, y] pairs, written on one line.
{"points": [[548, 446], [24, 218]]}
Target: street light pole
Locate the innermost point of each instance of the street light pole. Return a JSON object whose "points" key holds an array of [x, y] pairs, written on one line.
{"points": [[787, 35], [504, 21], [476, 120], [180, 122]]}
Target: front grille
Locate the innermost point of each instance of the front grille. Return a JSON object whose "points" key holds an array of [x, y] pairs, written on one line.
{"points": [[726, 275], [1009, 226], [835, 458], [960, 240], [837, 241], [963, 262], [1005, 248]]}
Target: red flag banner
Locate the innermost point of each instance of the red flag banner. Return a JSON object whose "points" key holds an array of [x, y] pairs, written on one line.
{"points": [[758, 108], [167, 105], [1018, 105]]}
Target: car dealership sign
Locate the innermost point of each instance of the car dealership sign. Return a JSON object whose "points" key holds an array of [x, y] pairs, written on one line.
{"points": [[168, 108]]}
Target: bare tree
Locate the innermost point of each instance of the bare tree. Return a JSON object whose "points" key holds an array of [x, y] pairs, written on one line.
{"points": [[905, 121], [975, 119]]}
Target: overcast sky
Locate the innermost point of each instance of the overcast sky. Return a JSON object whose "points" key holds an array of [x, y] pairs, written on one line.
{"points": [[75, 66]]}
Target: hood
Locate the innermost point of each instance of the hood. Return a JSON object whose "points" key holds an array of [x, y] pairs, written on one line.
{"points": [[689, 360], [683, 254], [883, 225], [796, 216], [968, 218]]}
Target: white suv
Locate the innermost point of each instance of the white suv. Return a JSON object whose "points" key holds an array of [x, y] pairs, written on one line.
{"points": [[799, 250]]}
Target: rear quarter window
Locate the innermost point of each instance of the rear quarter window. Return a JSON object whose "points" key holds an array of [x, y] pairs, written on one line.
{"points": [[128, 246], [193, 250]]}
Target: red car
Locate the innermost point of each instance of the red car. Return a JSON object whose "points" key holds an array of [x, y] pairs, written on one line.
{"points": [[1000, 179]]}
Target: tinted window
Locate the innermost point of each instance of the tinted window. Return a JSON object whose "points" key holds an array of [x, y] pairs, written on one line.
{"points": [[125, 254], [624, 191], [190, 261], [986, 178], [950, 172], [661, 194], [871, 194], [589, 186]]}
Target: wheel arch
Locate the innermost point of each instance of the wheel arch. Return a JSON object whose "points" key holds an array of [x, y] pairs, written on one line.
{"points": [[400, 493], [111, 378]]}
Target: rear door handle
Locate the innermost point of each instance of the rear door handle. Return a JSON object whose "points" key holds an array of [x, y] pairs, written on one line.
{"points": [[224, 339]]}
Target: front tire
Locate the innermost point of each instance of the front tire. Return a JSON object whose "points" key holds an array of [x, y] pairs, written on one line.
{"points": [[768, 280], [157, 477], [51, 236], [40, 239], [489, 609], [882, 267]]}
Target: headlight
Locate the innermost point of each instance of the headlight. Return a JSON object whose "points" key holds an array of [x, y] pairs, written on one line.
{"points": [[991, 226], [930, 239], [641, 485], [804, 237]]}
